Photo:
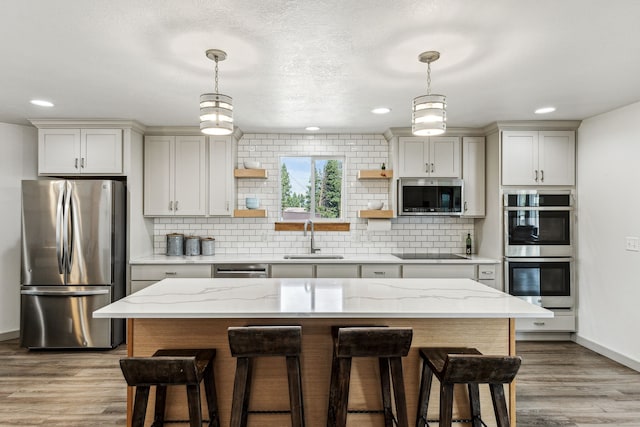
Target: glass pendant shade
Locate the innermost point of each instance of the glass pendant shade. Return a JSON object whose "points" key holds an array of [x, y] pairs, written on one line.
{"points": [[429, 115], [216, 114]]}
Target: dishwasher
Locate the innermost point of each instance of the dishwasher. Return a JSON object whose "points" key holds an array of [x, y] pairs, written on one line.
{"points": [[241, 271]]}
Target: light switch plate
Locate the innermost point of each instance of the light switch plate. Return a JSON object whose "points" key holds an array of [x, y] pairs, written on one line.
{"points": [[632, 244]]}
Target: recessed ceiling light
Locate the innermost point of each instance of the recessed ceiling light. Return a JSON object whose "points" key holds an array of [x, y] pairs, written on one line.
{"points": [[545, 110], [41, 103], [381, 110], [312, 128]]}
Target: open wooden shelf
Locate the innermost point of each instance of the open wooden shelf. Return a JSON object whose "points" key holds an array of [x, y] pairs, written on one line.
{"points": [[250, 213], [375, 213], [250, 173], [318, 226], [375, 174]]}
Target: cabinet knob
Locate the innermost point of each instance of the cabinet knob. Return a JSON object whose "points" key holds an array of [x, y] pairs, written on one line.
{"points": [[170, 273], [432, 168], [82, 163], [536, 178], [176, 205], [171, 206], [379, 273], [75, 164], [465, 206], [538, 323], [541, 175], [426, 167]]}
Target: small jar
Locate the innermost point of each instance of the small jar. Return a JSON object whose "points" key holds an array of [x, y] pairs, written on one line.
{"points": [[208, 245], [175, 244], [192, 245]]}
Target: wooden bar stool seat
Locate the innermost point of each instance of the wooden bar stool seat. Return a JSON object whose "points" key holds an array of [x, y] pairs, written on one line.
{"points": [[247, 343], [186, 367], [389, 346], [463, 365]]}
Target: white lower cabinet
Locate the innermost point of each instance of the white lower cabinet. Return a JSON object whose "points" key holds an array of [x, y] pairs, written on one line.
{"points": [[380, 271], [145, 275], [293, 271], [561, 322], [337, 271], [439, 271]]}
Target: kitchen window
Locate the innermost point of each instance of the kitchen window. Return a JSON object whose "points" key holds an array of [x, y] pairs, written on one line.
{"points": [[311, 187]]}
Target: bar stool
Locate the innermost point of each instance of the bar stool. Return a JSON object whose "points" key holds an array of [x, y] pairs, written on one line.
{"points": [[247, 343], [389, 345], [463, 365], [172, 367]]}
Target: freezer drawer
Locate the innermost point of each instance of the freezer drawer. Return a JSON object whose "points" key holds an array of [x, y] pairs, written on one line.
{"points": [[62, 317]]}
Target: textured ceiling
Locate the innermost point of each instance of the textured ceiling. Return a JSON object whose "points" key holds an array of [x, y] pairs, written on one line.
{"points": [[293, 64]]}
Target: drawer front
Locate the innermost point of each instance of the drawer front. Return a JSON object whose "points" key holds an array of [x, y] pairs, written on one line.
{"points": [[295, 271], [138, 285], [337, 271], [439, 271], [492, 283], [380, 271], [560, 323], [168, 271], [486, 272]]}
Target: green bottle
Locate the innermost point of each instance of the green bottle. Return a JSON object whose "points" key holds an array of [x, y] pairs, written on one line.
{"points": [[468, 244]]}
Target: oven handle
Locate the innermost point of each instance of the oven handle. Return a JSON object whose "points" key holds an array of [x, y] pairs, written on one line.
{"points": [[538, 208], [536, 259]]}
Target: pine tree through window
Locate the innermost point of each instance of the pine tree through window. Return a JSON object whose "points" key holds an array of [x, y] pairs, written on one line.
{"points": [[311, 188]]}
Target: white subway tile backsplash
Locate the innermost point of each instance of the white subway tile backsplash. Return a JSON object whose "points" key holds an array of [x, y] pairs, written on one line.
{"points": [[257, 236]]}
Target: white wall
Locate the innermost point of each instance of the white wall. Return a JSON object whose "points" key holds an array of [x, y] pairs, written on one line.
{"points": [[608, 197], [18, 161]]}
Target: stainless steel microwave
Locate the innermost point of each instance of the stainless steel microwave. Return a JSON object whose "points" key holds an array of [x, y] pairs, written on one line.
{"points": [[429, 196]]}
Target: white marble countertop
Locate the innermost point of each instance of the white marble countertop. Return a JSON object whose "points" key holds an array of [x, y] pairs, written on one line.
{"points": [[279, 258], [320, 298]]}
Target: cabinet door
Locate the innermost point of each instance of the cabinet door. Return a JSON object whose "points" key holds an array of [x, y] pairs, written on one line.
{"points": [[444, 157], [337, 271], [519, 158], [473, 156], [413, 157], [439, 271], [59, 151], [220, 176], [158, 175], [283, 271], [190, 176], [556, 157], [101, 151]]}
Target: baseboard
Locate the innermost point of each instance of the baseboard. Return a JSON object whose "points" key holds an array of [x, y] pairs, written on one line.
{"points": [[11, 335], [544, 336], [620, 358]]}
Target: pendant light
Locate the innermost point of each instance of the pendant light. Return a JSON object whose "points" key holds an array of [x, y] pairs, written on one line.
{"points": [[429, 111], [216, 109]]}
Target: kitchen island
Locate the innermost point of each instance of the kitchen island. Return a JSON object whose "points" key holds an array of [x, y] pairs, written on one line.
{"points": [[190, 313]]}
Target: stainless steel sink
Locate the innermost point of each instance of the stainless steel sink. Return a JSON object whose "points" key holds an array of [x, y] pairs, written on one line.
{"points": [[315, 256]]}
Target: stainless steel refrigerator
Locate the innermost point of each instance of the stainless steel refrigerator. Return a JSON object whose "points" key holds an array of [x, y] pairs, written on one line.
{"points": [[73, 262]]}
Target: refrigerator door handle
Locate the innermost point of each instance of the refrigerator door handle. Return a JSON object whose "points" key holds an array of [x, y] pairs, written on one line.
{"points": [[59, 229], [67, 230], [40, 292]]}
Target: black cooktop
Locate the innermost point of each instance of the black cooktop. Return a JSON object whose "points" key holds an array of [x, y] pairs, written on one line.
{"points": [[429, 256]]}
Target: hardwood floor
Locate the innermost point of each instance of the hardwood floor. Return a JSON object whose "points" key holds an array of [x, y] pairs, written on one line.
{"points": [[559, 384]]}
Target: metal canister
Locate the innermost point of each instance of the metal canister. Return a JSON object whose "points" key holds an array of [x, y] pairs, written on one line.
{"points": [[175, 244], [192, 245], [208, 245]]}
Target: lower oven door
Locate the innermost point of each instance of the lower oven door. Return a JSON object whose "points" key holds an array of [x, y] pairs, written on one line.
{"points": [[547, 282]]}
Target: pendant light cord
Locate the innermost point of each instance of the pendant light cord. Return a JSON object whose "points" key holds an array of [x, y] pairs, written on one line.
{"points": [[428, 78], [216, 78]]}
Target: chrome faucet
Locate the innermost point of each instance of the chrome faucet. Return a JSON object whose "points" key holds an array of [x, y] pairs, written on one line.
{"points": [[307, 223]]}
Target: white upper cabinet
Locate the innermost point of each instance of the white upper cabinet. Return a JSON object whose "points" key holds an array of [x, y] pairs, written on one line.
{"points": [[175, 175], [538, 158], [80, 151], [221, 195], [473, 172], [432, 157]]}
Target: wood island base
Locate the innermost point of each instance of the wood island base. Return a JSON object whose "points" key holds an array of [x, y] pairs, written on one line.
{"points": [[489, 335]]}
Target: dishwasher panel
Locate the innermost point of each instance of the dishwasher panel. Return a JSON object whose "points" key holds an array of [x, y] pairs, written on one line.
{"points": [[241, 271]]}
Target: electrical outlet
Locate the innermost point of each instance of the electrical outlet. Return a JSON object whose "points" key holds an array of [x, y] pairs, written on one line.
{"points": [[632, 244]]}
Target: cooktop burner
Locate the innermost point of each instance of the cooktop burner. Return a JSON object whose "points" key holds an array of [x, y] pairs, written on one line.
{"points": [[429, 256]]}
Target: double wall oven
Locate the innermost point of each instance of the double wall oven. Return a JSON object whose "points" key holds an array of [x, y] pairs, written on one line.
{"points": [[538, 242]]}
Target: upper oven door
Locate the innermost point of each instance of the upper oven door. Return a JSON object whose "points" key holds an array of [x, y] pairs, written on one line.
{"points": [[538, 225]]}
